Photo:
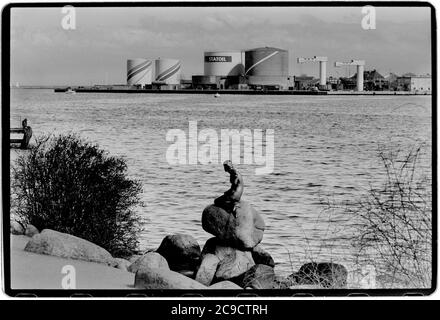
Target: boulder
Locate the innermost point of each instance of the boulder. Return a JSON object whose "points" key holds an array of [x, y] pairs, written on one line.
{"points": [[181, 251], [188, 273], [31, 231], [324, 274], [225, 285], [154, 278], [210, 246], [207, 269], [233, 262], [122, 264], [149, 260], [16, 228], [242, 230], [218, 248], [64, 245], [134, 257], [233, 265], [260, 256], [260, 276]]}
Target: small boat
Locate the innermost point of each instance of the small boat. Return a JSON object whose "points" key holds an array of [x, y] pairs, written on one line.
{"points": [[217, 95], [70, 90]]}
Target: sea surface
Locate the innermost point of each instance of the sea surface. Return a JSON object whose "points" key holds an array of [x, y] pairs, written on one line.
{"points": [[325, 149]]}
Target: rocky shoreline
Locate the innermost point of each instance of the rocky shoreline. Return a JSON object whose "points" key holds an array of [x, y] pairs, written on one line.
{"points": [[186, 267], [232, 259]]}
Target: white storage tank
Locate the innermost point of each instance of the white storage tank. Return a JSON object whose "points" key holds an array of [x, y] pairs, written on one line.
{"points": [[168, 71], [223, 63], [139, 71]]}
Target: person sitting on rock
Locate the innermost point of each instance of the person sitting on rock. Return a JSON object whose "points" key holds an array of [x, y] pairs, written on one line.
{"points": [[231, 198]]}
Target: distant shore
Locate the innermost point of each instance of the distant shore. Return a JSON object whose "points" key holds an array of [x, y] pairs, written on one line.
{"points": [[244, 92]]}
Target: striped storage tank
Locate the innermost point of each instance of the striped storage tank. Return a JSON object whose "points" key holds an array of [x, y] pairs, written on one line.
{"points": [[223, 63], [267, 61], [139, 72], [168, 71]]}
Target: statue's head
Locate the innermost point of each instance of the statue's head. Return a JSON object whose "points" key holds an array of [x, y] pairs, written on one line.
{"points": [[227, 165]]}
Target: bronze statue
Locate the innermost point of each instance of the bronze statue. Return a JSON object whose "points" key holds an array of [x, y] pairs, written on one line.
{"points": [[233, 221], [230, 199]]}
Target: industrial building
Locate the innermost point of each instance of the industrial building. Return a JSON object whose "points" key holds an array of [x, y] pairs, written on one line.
{"points": [[267, 68], [258, 69], [168, 73], [139, 72], [158, 73], [223, 63], [373, 81], [415, 83], [262, 69], [305, 82]]}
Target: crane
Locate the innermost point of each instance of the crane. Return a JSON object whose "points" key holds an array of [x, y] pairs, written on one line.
{"points": [[360, 71], [322, 67]]}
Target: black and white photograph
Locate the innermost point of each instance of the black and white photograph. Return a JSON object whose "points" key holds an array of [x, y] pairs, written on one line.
{"points": [[221, 148]]}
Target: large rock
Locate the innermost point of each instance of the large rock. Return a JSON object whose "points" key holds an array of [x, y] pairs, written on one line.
{"points": [[154, 278], [225, 285], [122, 264], [233, 262], [260, 256], [218, 248], [260, 276], [149, 260], [31, 231], [244, 230], [325, 274], [16, 228], [181, 251], [210, 246], [134, 257], [64, 245], [233, 265], [207, 269]]}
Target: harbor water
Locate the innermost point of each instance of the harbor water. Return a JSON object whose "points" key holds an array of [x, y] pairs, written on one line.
{"points": [[325, 149]]}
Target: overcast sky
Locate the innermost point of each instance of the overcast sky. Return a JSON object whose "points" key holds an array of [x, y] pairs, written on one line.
{"points": [[42, 52]]}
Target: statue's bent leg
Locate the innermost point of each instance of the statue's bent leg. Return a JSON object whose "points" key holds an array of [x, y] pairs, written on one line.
{"points": [[226, 203]]}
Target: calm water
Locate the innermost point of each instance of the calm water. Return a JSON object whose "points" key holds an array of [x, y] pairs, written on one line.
{"points": [[324, 147]]}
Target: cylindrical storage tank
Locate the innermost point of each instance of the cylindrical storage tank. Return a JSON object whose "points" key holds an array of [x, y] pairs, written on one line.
{"points": [[267, 61], [223, 63], [168, 71], [139, 71]]}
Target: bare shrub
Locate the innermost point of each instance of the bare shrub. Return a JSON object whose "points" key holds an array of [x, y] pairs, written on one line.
{"points": [[394, 221], [69, 185]]}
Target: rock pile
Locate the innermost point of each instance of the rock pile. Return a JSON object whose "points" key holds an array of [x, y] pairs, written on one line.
{"points": [[232, 259], [233, 254]]}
